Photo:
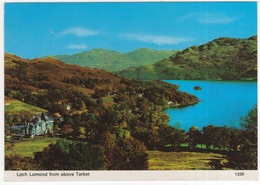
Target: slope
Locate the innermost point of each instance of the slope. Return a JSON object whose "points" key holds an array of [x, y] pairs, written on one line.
{"points": [[45, 82], [115, 61], [221, 59]]}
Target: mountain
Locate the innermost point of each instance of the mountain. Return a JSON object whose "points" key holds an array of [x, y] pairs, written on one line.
{"points": [[45, 82], [115, 61], [96, 58], [221, 59]]}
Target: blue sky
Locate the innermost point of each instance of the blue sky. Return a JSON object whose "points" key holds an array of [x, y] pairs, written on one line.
{"points": [[39, 29]]}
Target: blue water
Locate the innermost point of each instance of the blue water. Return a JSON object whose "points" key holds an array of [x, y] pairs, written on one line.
{"points": [[223, 103]]}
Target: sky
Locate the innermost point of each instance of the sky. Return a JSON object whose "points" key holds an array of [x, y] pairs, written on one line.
{"points": [[39, 29]]}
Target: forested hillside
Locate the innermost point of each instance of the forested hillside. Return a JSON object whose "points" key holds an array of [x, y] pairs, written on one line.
{"points": [[221, 59], [115, 118]]}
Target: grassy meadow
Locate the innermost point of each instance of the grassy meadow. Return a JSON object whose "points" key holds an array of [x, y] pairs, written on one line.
{"points": [[16, 107], [27, 148], [159, 160]]}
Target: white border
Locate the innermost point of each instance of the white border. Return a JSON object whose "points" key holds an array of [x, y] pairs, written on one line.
{"points": [[131, 175], [2, 88], [100, 173]]}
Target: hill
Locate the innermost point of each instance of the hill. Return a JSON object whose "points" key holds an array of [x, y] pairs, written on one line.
{"points": [[115, 61], [39, 77], [51, 84], [221, 59]]}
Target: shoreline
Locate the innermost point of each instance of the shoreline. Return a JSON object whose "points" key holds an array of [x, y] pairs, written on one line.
{"points": [[177, 106]]}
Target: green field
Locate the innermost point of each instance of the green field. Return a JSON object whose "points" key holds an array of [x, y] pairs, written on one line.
{"points": [[16, 107], [159, 160], [27, 148]]}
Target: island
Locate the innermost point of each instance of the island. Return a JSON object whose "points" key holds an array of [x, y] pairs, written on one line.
{"points": [[197, 88]]}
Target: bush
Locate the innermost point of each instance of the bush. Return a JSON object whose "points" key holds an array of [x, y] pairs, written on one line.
{"points": [[18, 162], [66, 155], [131, 155]]}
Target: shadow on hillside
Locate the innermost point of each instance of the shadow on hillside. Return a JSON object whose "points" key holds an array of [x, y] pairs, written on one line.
{"points": [[216, 163]]}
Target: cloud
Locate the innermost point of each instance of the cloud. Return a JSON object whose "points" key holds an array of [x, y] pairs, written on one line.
{"points": [[216, 20], [78, 31], [209, 18], [155, 39], [77, 46]]}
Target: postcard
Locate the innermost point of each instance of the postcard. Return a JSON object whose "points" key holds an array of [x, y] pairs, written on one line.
{"points": [[158, 91]]}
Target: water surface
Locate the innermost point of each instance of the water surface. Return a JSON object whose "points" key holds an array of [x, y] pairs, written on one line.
{"points": [[223, 103]]}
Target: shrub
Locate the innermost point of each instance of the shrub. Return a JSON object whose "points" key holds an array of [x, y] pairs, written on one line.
{"points": [[18, 162], [131, 155], [66, 155]]}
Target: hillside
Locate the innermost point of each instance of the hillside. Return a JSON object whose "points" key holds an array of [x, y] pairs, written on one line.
{"points": [[115, 61], [50, 84], [221, 59]]}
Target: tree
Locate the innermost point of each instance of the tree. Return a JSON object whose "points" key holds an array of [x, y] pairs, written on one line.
{"points": [[108, 146], [43, 117], [92, 126], [120, 133], [208, 135], [246, 156], [222, 139], [149, 136], [56, 124], [130, 155], [67, 155], [248, 149], [66, 130], [52, 157], [170, 135], [235, 138], [194, 136], [83, 156]]}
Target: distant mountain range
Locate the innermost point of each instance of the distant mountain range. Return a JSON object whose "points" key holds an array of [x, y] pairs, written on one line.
{"points": [[221, 59], [115, 61]]}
